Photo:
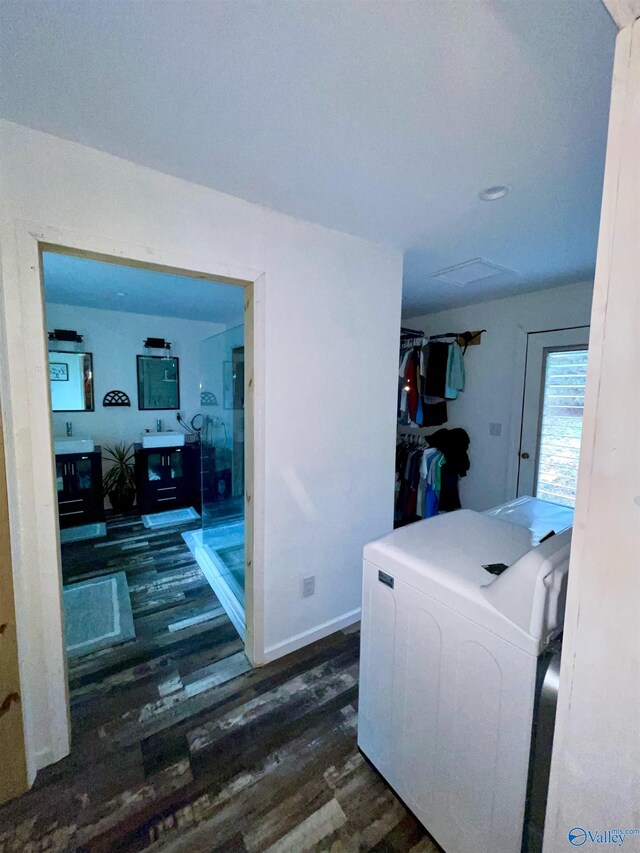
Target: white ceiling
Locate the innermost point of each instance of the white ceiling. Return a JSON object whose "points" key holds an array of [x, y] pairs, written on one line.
{"points": [[381, 118], [95, 284]]}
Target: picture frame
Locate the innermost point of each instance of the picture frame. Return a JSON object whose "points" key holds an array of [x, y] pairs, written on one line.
{"points": [[58, 371]]}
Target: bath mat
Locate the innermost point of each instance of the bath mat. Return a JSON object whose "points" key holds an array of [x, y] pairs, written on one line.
{"points": [[172, 516], [97, 614], [83, 531]]}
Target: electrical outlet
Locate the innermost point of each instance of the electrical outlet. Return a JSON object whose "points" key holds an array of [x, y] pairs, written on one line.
{"points": [[308, 586]]}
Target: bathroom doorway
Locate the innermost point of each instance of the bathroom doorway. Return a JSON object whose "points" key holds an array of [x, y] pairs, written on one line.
{"points": [[146, 373], [29, 378]]}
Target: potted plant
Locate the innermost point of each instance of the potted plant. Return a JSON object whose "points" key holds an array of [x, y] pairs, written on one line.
{"points": [[119, 482]]}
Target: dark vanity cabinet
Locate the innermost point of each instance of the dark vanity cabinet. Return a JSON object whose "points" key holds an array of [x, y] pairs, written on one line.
{"points": [[167, 477], [79, 486]]}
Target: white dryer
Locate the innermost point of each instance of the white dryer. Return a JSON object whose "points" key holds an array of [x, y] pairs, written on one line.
{"points": [[448, 669]]}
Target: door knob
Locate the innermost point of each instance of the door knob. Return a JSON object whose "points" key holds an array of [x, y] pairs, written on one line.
{"points": [[524, 455]]}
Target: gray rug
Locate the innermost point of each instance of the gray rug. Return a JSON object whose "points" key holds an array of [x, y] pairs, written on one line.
{"points": [[97, 614], [172, 516], [83, 531]]}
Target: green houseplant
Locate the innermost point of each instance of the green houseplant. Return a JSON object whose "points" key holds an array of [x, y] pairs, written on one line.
{"points": [[119, 482]]}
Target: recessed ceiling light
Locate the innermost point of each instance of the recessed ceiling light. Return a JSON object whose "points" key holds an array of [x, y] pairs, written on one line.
{"points": [[495, 192]]}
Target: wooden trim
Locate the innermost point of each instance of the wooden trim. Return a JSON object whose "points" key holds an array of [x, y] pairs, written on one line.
{"points": [[254, 485], [13, 777], [623, 12]]}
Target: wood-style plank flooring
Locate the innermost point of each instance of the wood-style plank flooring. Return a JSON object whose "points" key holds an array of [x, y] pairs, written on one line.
{"points": [[179, 746]]}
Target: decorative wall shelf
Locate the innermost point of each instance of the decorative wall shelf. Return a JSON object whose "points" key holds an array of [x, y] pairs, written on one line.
{"points": [[116, 398], [207, 398]]}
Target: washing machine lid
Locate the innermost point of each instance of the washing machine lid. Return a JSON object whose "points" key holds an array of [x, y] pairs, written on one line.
{"points": [[443, 557], [539, 516], [449, 551]]}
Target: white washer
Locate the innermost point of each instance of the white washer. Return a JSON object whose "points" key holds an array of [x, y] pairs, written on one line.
{"points": [[448, 668]]}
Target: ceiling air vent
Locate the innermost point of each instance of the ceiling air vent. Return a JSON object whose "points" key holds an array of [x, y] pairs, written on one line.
{"points": [[471, 272]]}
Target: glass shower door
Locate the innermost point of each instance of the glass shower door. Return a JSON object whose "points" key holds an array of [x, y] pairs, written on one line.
{"points": [[222, 408]]}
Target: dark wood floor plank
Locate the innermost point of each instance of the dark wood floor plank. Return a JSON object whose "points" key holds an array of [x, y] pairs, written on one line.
{"points": [[180, 747]]}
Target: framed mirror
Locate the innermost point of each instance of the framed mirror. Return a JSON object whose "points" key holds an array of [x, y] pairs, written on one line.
{"points": [[71, 381], [158, 382]]}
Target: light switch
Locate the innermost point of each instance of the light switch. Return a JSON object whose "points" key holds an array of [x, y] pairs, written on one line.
{"points": [[495, 429]]}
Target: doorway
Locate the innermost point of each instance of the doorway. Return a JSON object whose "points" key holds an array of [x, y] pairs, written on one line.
{"points": [[135, 397], [553, 404], [25, 390]]}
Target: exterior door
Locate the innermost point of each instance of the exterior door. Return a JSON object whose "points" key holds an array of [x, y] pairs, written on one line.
{"points": [[13, 775], [552, 414]]}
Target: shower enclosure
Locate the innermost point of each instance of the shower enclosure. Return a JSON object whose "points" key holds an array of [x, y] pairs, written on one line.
{"points": [[221, 555]]}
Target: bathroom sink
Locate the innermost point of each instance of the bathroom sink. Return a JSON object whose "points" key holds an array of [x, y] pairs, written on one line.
{"points": [[73, 445], [163, 439]]}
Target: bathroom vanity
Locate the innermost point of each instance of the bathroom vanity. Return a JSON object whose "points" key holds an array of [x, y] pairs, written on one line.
{"points": [[167, 477], [79, 485]]}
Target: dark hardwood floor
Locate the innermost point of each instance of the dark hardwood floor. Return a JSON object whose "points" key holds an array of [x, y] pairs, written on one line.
{"points": [[179, 746]]}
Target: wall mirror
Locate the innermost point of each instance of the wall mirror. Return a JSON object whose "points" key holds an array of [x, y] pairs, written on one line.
{"points": [[158, 382], [71, 381]]}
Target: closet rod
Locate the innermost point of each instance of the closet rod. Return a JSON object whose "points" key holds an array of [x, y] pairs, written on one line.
{"points": [[464, 338]]}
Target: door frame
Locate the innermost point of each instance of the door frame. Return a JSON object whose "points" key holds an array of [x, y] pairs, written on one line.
{"points": [[25, 398], [517, 403], [13, 780]]}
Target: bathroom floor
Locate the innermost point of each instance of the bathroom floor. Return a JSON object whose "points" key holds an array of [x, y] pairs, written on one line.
{"points": [[179, 746]]}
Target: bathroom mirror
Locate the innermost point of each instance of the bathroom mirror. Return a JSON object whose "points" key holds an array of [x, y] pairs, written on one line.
{"points": [[158, 382], [71, 381]]}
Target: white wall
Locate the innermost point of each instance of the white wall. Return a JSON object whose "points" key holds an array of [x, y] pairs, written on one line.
{"points": [[329, 315], [494, 375], [115, 339]]}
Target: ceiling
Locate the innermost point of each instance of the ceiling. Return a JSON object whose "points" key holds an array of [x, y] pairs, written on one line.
{"points": [[97, 284], [383, 119]]}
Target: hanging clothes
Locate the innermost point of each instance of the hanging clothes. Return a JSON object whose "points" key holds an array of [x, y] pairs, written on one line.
{"points": [[437, 357], [417, 481], [455, 372], [428, 376], [454, 444], [427, 474]]}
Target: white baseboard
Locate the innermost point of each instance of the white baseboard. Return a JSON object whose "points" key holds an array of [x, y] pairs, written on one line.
{"points": [[296, 642]]}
